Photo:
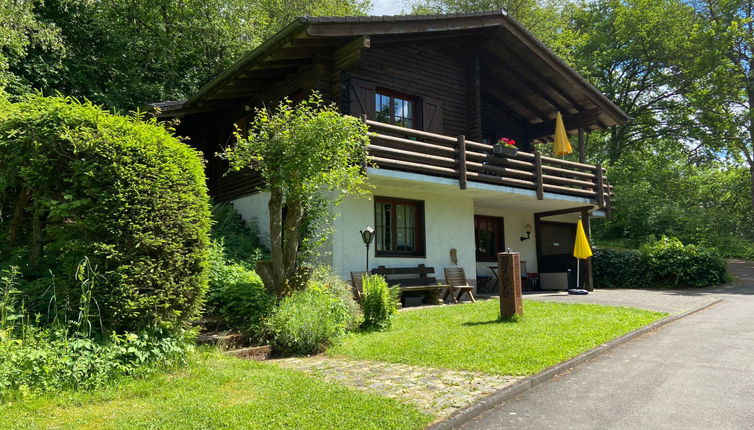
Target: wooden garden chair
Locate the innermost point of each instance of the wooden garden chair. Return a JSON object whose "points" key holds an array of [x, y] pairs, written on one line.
{"points": [[357, 282], [455, 277]]}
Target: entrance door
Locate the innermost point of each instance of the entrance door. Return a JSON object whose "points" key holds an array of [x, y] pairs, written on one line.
{"points": [[556, 250]]}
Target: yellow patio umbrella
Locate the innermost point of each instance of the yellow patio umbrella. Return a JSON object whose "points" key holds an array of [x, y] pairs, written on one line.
{"points": [[562, 144], [581, 248]]}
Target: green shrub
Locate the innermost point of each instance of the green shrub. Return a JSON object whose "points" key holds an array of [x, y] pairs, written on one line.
{"points": [[675, 264], [325, 276], [619, 268], [662, 263], [308, 321], [48, 360], [379, 301], [236, 294], [241, 243], [77, 181]]}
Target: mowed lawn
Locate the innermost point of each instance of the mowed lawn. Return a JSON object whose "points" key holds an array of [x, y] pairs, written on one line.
{"points": [[214, 392], [471, 337]]}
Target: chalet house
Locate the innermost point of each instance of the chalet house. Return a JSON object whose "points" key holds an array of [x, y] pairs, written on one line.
{"points": [[437, 91]]}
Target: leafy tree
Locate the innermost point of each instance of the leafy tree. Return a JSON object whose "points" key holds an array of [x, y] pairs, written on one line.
{"points": [[643, 55], [726, 96], [126, 53], [22, 30], [309, 156], [547, 19]]}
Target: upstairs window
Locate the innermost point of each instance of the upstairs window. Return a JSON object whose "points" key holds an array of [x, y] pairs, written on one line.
{"points": [[395, 108]]}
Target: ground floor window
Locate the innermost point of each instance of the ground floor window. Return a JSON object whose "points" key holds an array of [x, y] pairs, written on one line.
{"points": [[489, 237], [399, 225]]}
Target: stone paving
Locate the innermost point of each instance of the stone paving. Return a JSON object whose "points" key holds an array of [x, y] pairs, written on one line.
{"points": [[439, 392], [670, 301]]}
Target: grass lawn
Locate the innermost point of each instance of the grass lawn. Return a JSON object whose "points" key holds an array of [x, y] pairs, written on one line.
{"points": [[470, 336], [215, 391]]}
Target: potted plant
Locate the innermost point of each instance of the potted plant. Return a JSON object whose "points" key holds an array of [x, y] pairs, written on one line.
{"points": [[506, 147]]}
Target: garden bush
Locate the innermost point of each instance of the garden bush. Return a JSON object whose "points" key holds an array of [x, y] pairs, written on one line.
{"points": [[675, 264], [308, 321], [379, 301], [78, 181], [325, 276], [661, 263], [237, 296], [241, 243], [47, 360], [619, 268]]}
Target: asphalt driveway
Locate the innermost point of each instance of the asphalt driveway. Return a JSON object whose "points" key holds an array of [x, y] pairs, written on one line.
{"points": [[697, 372]]}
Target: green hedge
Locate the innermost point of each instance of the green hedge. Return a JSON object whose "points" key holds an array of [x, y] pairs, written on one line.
{"points": [[663, 263], [77, 181]]}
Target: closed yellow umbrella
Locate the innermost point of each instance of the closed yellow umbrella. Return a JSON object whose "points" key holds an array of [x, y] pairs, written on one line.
{"points": [[581, 248], [562, 144]]}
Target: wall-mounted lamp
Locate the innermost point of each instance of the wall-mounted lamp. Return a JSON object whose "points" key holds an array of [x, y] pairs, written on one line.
{"points": [[528, 233], [366, 235]]}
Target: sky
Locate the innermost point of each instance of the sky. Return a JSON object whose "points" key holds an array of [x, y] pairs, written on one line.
{"points": [[386, 7]]}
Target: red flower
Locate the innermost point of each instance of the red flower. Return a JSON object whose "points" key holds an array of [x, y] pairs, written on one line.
{"points": [[506, 141]]}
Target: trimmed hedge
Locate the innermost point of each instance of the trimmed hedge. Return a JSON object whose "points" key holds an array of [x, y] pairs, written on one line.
{"points": [[664, 263], [76, 181]]}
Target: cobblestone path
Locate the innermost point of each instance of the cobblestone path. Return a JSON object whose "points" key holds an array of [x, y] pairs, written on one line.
{"points": [[439, 392]]}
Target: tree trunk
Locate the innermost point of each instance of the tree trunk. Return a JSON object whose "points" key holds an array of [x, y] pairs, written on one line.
{"points": [[22, 201], [291, 241], [276, 242]]}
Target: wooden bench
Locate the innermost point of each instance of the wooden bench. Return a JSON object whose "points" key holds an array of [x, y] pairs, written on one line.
{"points": [[413, 279]]}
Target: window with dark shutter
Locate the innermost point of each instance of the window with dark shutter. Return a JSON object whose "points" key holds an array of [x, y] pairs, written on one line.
{"points": [[361, 98], [395, 108]]}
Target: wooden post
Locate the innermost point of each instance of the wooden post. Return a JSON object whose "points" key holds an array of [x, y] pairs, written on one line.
{"points": [[587, 266], [582, 145], [462, 161], [364, 165], [509, 270], [600, 186], [538, 174]]}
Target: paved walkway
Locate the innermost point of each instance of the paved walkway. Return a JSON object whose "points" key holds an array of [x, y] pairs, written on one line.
{"points": [[694, 373], [437, 391], [671, 301]]}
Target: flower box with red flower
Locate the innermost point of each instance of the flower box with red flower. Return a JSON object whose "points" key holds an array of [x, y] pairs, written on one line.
{"points": [[505, 147]]}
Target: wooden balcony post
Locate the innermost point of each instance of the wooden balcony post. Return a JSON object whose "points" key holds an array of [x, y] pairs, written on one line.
{"points": [[364, 165], [462, 162], [538, 174], [600, 186], [582, 145]]}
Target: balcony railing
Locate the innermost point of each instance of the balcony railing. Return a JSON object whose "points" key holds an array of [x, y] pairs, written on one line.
{"points": [[417, 151]]}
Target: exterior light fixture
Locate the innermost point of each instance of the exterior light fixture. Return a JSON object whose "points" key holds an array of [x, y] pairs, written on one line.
{"points": [[528, 233], [367, 235]]}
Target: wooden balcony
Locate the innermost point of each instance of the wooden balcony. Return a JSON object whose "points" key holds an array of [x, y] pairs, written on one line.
{"points": [[399, 148]]}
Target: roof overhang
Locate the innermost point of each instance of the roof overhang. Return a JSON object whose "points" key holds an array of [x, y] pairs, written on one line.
{"points": [[548, 87]]}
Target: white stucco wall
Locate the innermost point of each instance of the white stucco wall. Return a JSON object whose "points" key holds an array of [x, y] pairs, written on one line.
{"points": [[515, 222], [449, 223], [254, 209]]}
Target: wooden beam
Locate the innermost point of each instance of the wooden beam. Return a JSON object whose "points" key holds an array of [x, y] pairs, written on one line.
{"points": [[533, 87], [540, 177], [588, 275], [462, 162], [519, 99], [355, 28], [562, 211], [571, 122], [582, 145]]}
